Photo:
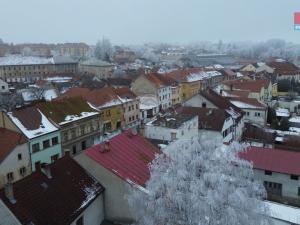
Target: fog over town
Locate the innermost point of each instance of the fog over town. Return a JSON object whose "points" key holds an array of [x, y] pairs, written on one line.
{"points": [[149, 112]]}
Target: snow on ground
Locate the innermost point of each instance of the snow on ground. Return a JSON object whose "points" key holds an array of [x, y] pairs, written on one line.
{"points": [[282, 112], [71, 118], [45, 127], [284, 212]]}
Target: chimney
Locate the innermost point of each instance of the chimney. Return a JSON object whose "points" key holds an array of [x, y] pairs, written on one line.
{"points": [[67, 152], [9, 193], [106, 146], [47, 171]]}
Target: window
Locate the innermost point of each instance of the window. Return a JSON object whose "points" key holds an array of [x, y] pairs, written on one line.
{"points": [[137, 106], [257, 114], [46, 144], [3, 87], [82, 129], [54, 158], [298, 191], [137, 117], [267, 172], [173, 136], [19, 156], [66, 136], [248, 113], [73, 133], [273, 188], [35, 147], [83, 145], [108, 113], [294, 177], [10, 176], [203, 104], [74, 150], [80, 221], [55, 141], [22, 171]]}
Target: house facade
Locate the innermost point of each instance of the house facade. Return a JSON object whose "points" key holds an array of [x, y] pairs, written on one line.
{"points": [[79, 195], [79, 124], [98, 68], [285, 70], [120, 167], [156, 85], [44, 139], [14, 157], [173, 127], [278, 170]]}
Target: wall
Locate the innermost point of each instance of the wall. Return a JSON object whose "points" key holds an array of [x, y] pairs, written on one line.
{"points": [[228, 125], [164, 97], [176, 95], [187, 130], [3, 86], [190, 89], [113, 115], [12, 164], [116, 207], [94, 213], [289, 186], [44, 155], [131, 116], [101, 72], [250, 116], [5, 122], [197, 101], [142, 86]]}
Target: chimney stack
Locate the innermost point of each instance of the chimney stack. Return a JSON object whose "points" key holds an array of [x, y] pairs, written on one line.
{"points": [[47, 171], [9, 193], [107, 146]]}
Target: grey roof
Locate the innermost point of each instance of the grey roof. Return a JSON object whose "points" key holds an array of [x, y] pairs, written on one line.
{"points": [[63, 60], [96, 62]]}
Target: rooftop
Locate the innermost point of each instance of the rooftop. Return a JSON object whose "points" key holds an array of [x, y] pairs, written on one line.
{"points": [[209, 119], [67, 110], [128, 157], [172, 121], [8, 141], [247, 85], [276, 160], [247, 103], [59, 200], [284, 68], [31, 121]]}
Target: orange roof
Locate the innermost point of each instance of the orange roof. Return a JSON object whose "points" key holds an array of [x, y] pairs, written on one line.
{"points": [[182, 74], [159, 80], [284, 68], [8, 141], [124, 92], [97, 97], [247, 85]]}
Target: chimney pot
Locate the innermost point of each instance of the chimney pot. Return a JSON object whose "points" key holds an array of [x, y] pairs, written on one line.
{"points": [[107, 146], [9, 193]]}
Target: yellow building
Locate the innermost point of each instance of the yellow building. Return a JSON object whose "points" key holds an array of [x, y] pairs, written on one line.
{"points": [[107, 102], [190, 89]]}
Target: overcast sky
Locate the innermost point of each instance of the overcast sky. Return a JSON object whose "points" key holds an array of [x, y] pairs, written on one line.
{"points": [[140, 21]]}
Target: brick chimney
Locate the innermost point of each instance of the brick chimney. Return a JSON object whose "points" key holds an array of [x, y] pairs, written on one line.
{"points": [[107, 146], [9, 193]]}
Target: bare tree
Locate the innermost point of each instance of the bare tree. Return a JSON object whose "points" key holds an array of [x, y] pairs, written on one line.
{"points": [[103, 50], [9, 102]]}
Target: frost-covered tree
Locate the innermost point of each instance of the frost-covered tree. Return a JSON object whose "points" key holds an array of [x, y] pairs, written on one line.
{"points": [[200, 182], [103, 50]]}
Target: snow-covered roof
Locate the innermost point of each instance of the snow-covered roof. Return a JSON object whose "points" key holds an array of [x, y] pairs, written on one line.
{"points": [[45, 126], [72, 118], [28, 95], [58, 79], [295, 119], [50, 94], [295, 129], [282, 112], [202, 75], [283, 212], [24, 60], [148, 102]]}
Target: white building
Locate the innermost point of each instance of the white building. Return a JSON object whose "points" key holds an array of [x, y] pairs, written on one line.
{"points": [[255, 112], [170, 128], [149, 108], [14, 157]]}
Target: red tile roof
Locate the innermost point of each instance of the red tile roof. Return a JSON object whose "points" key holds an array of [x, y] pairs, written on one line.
{"points": [[182, 74], [159, 80], [97, 97], [8, 141], [59, 200], [250, 101], [284, 68], [29, 116], [125, 92], [248, 85], [128, 157], [276, 160]]}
